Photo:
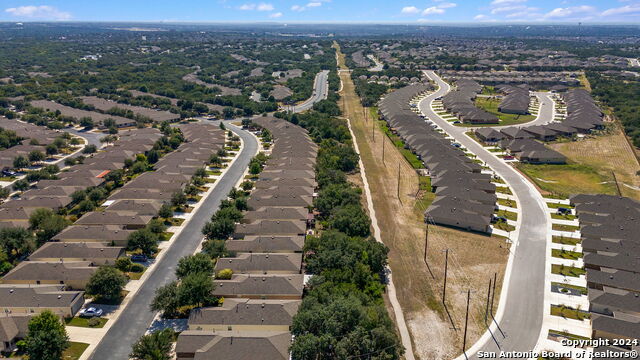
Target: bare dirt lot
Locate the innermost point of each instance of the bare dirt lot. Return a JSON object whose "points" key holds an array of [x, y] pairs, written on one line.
{"points": [[473, 258]]}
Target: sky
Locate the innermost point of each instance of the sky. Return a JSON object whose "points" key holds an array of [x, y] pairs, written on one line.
{"points": [[391, 11]]}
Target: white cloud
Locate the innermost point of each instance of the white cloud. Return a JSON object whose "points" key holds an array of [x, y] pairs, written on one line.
{"points": [[275, 15], [42, 12], [504, 2], [433, 10], [258, 7], [311, 4], [265, 7], [624, 10], [410, 10], [569, 11], [480, 17], [447, 5], [437, 9]]}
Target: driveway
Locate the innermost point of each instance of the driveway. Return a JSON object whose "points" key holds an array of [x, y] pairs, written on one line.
{"points": [[137, 316], [520, 311]]}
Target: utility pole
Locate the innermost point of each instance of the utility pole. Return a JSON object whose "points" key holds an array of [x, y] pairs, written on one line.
{"points": [[495, 279], [446, 268], [398, 192], [426, 241], [383, 163], [466, 321], [486, 310]]}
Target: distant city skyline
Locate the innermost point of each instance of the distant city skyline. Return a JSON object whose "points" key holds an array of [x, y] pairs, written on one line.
{"points": [[404, 11]]}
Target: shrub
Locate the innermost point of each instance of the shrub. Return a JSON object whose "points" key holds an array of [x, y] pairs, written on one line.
{"points": [[224, 274], [136, 268], [123, 264], [93, 322]]}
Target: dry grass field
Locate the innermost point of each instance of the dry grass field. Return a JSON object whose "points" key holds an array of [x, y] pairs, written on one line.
{"points": [[473, 258], [607, 154]]}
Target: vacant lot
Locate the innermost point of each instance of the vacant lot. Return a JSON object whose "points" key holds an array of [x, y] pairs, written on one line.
{"points": [[607, 154], [565, 180], [473, 258], [491, 105]]}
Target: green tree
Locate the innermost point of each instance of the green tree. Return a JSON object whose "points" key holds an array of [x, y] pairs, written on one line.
{"points": [[143, 240], [106, 283], [220, 229], [196, 289], [351, 220], [123, 263], [154, 346], [46, 337], [193, 264], [89, 149], [36, 156], [166, 299], [165, 211], [21, 162], [51, 149], [16, 242], [179, 198]]}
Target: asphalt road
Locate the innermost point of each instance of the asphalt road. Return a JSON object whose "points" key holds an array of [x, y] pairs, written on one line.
{"points": [[137, 317], [91, 137], [320, 92], [378, 65], [520, 324]]}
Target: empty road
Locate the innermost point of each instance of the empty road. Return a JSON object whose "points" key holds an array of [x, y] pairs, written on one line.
{"points": [[137, 316], [320, 92], [520, 311], [546, 112]]}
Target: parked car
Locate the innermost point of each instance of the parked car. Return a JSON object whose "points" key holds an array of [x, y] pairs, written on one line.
{"points": [[456, 145], [7, 172], [563, 211], [139, 258], [90, 312], [508, 157], [457, 122]]}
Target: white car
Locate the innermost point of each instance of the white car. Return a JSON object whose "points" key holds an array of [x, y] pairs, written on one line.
{"points": [[90, 312]]}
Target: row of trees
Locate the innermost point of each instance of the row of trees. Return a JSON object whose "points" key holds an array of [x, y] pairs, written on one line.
{"points": [[342, 314], [623, 96]]}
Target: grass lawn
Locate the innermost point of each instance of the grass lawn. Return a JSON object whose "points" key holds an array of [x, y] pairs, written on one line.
{"points": [[174, 222], [567, 312], [84, 322], [561, 227], [565, 180], [74, 351], [504, 190], [566, 254], [490, 105], [567, 335], [166, 236], [498, 181], [135, 275], [567, 270], [508, 202], [605, 154], [583, 290], [556, 206], [566, 240], [507, 214], [563, 217], [213, 172], [504, 226]]}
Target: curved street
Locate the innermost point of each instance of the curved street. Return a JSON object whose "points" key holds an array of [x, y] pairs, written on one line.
{"points": [[520, 312], [320, 92], [136, 317]]}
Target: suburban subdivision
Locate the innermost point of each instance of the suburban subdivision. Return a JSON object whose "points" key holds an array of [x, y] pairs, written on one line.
{"points": [[274, 191]]}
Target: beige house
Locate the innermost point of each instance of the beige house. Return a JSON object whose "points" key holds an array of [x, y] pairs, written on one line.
{"points": [[74, 275], [26, 299], [245, 315], [95, 253]]}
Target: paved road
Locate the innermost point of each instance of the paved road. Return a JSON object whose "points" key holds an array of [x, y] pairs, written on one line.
{"points": [[137, 317], [320, 92], [378, 65], [522, 301], [91, 137]]}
